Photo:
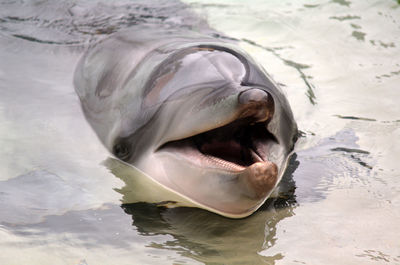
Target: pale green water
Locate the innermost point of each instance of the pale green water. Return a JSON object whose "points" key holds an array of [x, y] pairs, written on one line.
{"points": [[339, 63]]}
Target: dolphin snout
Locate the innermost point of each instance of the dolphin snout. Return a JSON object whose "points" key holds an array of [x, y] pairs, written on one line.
{"points": [[257, 104]]}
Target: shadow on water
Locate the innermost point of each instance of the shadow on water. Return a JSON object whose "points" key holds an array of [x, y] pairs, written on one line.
{"points": [[210, 238]]}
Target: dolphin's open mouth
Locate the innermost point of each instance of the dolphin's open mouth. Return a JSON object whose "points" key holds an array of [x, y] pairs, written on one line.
{"points": [[232, 147], [242, 150]]}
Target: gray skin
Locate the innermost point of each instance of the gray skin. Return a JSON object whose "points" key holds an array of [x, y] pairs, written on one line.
{"points": [[194, 115]]}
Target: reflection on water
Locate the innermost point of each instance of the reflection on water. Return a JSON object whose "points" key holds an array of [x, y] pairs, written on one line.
{"points": [[338, 203], [204, 236], [209, 238]]}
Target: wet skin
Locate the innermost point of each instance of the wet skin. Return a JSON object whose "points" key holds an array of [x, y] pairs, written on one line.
{"points": [[194, 114]]}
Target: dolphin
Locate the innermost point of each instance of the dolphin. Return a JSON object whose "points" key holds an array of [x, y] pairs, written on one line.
{"points": [[193, 117]]}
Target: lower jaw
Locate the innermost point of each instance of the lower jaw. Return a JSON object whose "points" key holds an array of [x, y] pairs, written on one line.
{"points": [[256, 180], [241, 187], [260, 178]]}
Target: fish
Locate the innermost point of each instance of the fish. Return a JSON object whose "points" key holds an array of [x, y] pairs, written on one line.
{"points": [[189, 119]]}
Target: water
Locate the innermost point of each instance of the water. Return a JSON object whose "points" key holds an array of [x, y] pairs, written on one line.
{"points": [[339, 63]]}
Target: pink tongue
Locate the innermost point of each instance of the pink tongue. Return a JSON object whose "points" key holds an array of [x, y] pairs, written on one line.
{"points": [[227, 150]]}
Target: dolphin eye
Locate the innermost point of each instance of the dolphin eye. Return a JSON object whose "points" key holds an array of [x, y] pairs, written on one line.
{"points": [[122, 151]]}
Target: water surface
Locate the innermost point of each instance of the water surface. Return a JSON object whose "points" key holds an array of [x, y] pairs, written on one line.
{"points": [[338, 62]]}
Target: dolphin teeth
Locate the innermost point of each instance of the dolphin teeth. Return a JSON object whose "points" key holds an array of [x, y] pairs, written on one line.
{"points": [[224, 163], [255, 156]]}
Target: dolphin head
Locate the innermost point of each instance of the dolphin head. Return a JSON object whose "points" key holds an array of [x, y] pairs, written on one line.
{"points": [[220, 132], [206, 122]]}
